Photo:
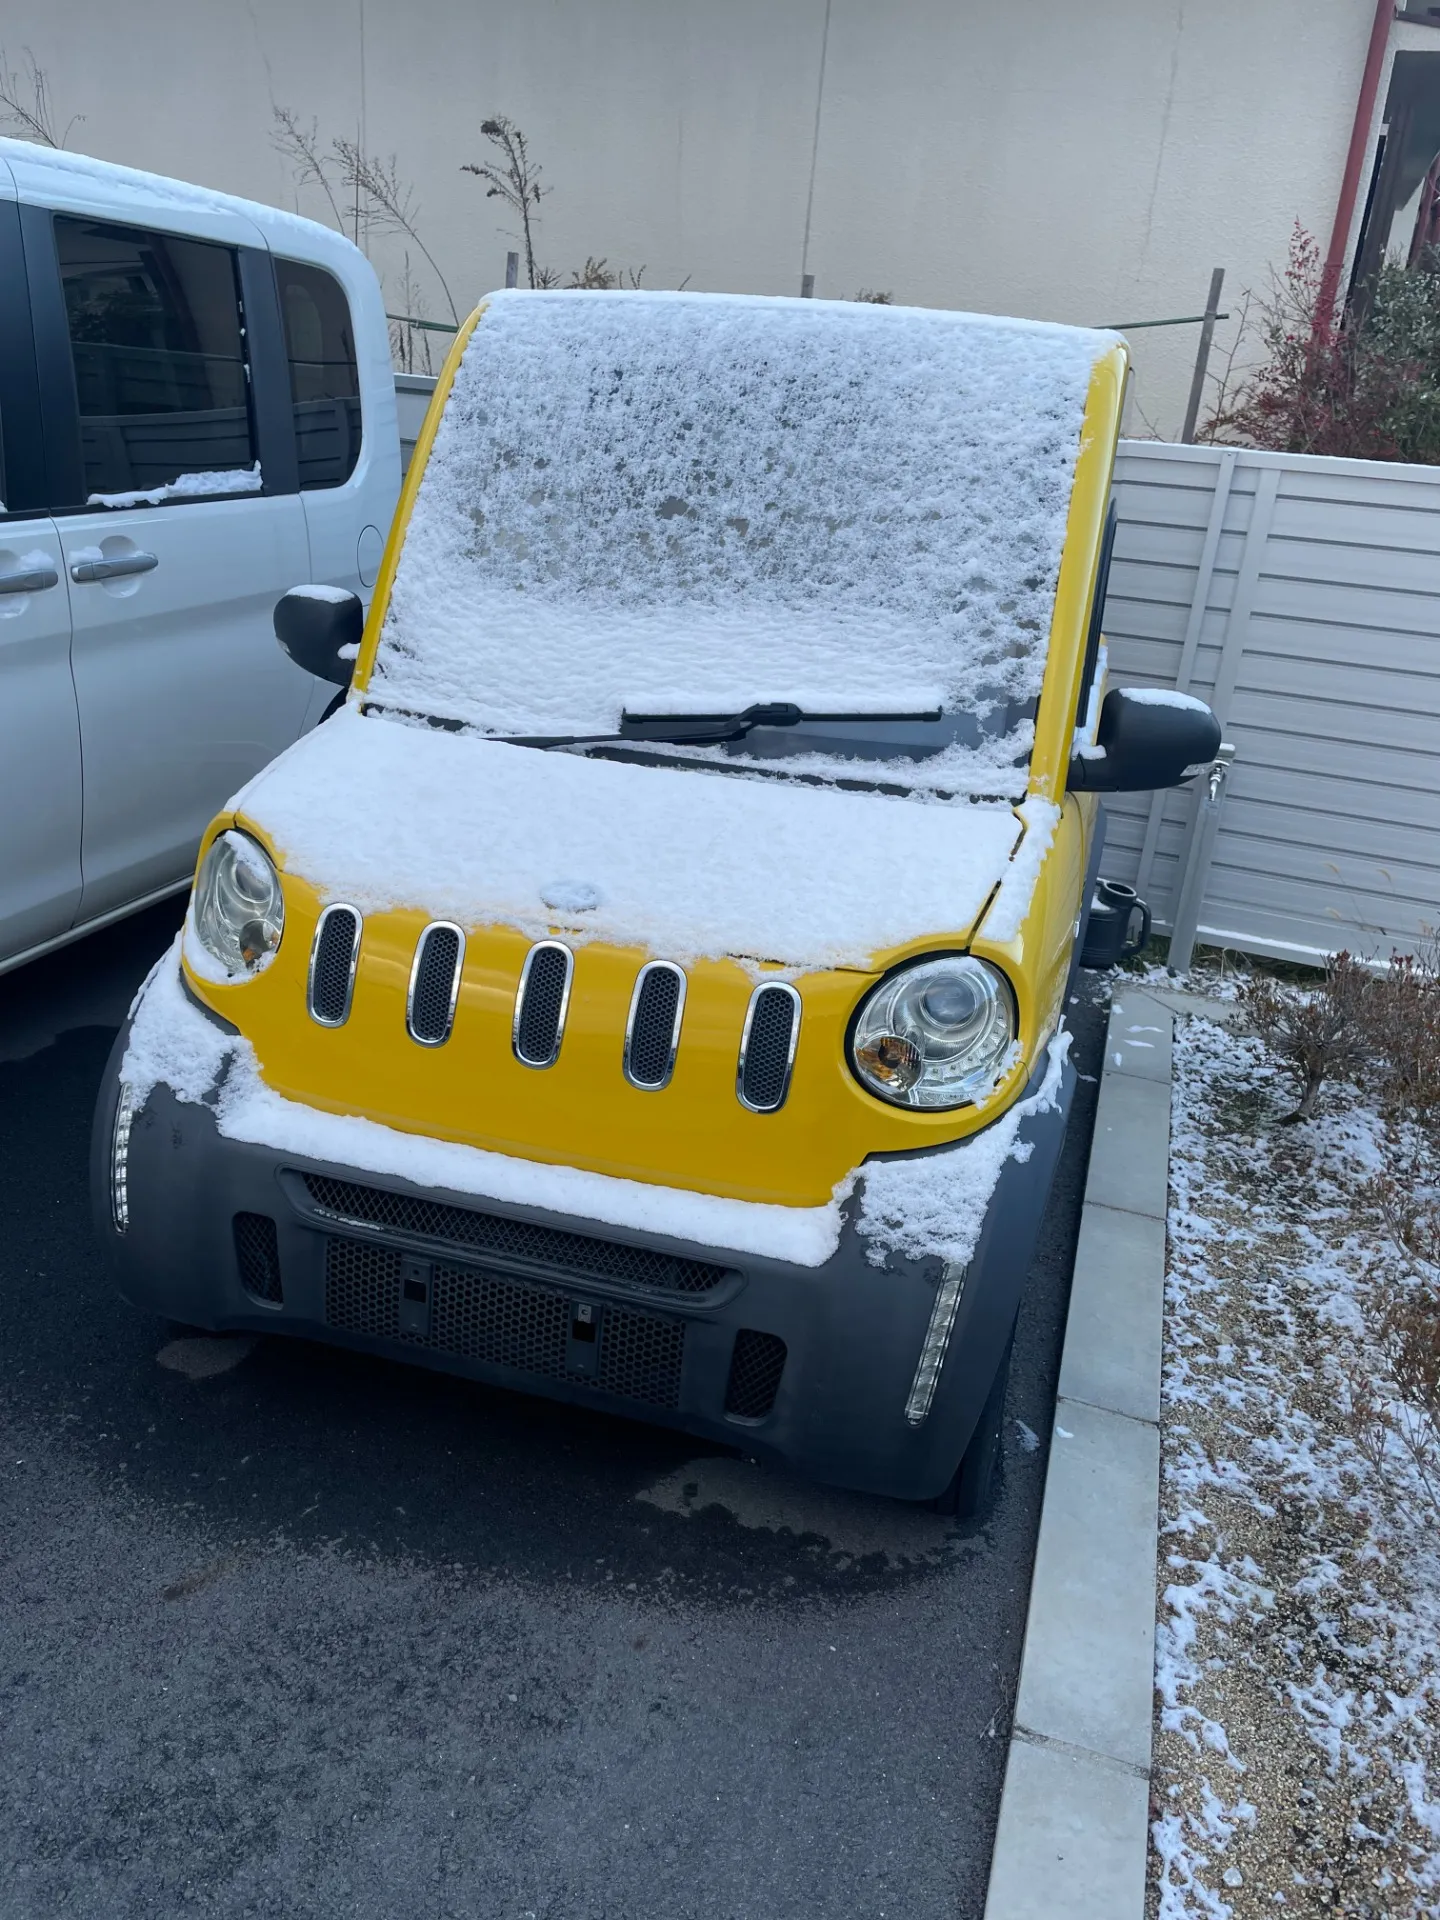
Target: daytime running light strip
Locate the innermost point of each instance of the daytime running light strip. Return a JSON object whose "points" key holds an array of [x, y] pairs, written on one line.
{"points": [[937, 1340]]}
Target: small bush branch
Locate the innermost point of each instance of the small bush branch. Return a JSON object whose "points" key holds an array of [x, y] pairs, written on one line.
{"points": [[309, 161], [389, 200], [25, 104], [1329, 380], [1317, 1034], [515, 181]]}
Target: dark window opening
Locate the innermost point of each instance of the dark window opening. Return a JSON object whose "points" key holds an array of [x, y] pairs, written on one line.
{"points": [[1401, 223], [324, 378], [160, 370]]}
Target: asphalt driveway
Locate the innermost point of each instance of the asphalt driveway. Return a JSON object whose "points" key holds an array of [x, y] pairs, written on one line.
{"points": [[318, 1635]]}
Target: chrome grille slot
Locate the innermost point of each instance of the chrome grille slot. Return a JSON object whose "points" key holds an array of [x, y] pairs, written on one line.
{"points": [[652, 1032], [332, 966], [435, 984], [541, 1002], [767, 1047]]}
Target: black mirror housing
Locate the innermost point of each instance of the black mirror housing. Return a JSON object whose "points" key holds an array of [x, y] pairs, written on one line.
{"points": [[320, 629], [1148, 738]]}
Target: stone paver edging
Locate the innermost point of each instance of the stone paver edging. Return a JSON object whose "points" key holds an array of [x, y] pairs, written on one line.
{"points": [[1074, 1816]]}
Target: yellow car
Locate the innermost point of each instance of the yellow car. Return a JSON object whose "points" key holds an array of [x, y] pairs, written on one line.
{"points": [[647, 988]]}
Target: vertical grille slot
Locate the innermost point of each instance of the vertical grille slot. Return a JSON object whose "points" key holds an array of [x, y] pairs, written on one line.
{"points": [[332, 966], [541, 1003], [756, 1364], [767, 1047], [435, 984], [652, 1033], [257, 1253]]}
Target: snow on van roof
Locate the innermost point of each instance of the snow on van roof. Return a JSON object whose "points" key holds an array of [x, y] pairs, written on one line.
{"points": [[690, 502], [83, 170]]}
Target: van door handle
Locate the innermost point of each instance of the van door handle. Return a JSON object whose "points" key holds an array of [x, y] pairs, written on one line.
{"points": [[83, 570], [30, 580]]}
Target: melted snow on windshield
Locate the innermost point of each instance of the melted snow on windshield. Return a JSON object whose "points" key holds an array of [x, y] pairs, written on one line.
{"points": [[679, 503]]}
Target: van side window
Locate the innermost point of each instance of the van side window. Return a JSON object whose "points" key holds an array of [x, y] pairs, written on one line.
{"points": [[324, 379], [155, 335]]}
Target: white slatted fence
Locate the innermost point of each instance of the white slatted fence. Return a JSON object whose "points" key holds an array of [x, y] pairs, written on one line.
{"points": [[1301, 597]]}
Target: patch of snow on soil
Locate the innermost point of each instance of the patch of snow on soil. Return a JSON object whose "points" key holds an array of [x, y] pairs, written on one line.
{"points": [[1298, 1647]]}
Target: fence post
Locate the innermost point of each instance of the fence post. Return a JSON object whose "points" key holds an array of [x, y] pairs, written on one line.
{"points": [[1194, 625], [1202, 356], [807, 286], [512, 269], [1197, 869], [1189, 902]]}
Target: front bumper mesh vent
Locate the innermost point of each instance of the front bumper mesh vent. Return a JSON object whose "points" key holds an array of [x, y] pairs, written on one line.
{"points": [[257, 1254], [767, 1047], [332, 966], [652, 1033], [756, 1364], [504, 1323], [435, 984], [541, 1003], [549, 1248]]}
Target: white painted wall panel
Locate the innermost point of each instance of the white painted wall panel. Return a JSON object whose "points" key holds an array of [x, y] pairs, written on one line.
{"points": [[1088, 163]]}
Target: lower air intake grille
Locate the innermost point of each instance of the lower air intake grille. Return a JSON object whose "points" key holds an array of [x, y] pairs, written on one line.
{"points": [[654, 1029], [768, 1049], [640, 1357], [547, 1247], [257, 1251], [540, 1004], [756, 1364], [332, 965], [503, 1322], [434, 983]]}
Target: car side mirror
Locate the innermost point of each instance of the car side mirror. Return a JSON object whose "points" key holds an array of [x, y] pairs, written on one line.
{"points": [[320, 629], [1148, 738]]}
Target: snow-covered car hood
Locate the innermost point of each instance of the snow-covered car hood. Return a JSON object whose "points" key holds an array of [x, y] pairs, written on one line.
{"points": [[385, 814]]}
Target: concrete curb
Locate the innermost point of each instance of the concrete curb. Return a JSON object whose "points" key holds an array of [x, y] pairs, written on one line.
{"points": [[1074, 1815]]}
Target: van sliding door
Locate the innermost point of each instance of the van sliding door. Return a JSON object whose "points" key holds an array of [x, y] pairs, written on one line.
{"points": [[180, 527]]}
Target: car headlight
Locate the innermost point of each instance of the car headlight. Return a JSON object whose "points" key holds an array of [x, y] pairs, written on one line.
{"points": [[239, 908], [936, 1034]]}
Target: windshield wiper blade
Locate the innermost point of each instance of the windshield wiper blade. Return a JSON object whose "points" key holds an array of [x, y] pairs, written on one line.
{"points": [[702, 729]]}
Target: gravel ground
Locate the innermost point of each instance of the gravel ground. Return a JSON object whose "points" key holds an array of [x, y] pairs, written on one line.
{"points": [[1298, 1707]]}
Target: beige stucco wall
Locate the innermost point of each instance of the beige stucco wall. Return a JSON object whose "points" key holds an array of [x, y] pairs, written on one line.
{"points": [[1086, 162]]}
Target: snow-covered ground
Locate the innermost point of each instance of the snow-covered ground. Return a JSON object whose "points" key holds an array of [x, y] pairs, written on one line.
{"points": [[1298, 1649]]}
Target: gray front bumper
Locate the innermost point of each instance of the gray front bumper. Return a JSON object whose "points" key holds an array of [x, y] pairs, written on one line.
{"points": [[852, 1332]]}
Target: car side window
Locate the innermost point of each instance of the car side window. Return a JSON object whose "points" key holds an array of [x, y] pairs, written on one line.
{"points": [[158, 348], [324, 378]]}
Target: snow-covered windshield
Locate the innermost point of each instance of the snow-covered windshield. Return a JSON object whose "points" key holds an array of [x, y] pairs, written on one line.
{"points": [[687, 504]]}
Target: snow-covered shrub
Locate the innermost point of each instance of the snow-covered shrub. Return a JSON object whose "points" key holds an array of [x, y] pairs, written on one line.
{"points": [[1381, 1029], [1320, 1033]]}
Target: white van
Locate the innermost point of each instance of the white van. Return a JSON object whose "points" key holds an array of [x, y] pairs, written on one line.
{"points": [[197, 413]]}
